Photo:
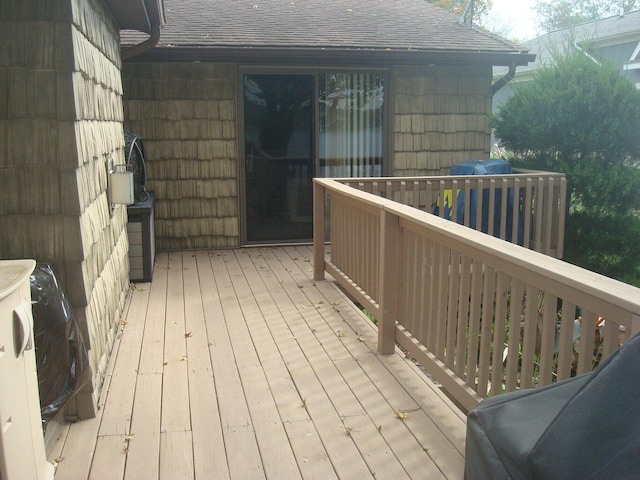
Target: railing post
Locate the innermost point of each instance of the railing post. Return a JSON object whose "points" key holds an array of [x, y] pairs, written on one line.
{"points": [[318, 231], [562, 217], [389, 257]]}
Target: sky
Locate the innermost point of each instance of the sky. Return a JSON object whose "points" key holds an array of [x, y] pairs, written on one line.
{"points": [[513, 19]]}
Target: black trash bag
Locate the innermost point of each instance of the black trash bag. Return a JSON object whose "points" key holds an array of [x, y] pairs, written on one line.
{"points": [[61, 356], [586, 427]]}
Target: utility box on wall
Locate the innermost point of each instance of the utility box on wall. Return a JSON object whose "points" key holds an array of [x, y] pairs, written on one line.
{"points": [[142, 247]]}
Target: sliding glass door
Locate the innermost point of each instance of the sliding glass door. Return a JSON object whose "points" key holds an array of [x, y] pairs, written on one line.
{"points": [[278, 137], [301, 125], [351, 124]]}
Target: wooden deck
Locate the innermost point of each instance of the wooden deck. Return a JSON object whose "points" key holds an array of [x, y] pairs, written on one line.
{"points": [[236, 364]]}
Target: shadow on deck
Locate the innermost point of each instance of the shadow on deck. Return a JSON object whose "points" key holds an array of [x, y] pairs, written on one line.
{"points": [[236, 364]]}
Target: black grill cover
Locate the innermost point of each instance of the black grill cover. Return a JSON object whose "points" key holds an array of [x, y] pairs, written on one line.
{"points": [[587, 427]]}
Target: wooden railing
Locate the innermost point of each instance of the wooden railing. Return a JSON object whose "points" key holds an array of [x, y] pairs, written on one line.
{"points": [[482, 315], [532, 215]]}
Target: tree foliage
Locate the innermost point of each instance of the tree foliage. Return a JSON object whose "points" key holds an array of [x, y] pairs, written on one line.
{"points": [[580, 118], [583, 119], [480, 8], [556, 14]]}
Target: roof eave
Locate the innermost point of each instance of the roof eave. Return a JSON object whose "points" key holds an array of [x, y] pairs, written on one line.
{"points": [[332, 55], [140, 15]]}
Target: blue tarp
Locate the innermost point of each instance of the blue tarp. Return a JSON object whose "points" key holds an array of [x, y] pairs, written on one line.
{"points": [[493, 166]]}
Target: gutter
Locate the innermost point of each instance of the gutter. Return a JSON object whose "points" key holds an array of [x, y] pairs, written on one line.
{"points": [[504, 80], [148, 44], [331, 55]]}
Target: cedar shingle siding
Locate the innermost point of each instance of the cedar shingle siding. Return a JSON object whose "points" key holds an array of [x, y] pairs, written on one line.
{"points": [[440, 118], [61, 119], [186, 114]]}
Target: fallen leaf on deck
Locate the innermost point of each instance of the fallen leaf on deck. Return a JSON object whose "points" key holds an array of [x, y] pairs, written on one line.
{"points": [[402, 415]]}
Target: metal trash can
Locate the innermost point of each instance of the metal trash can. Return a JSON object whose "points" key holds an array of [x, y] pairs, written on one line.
{"points": [[142, 247]]}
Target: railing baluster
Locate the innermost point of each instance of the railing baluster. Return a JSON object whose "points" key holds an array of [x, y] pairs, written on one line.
{"points": [[421, 288], [475, 314], [611, 338], [539, 214], [467, 202], [492, 207], [562, 209], [513, 353], [565, 343], [529, 208], [452, 309], [441, 299], [515, 214], [548, 217], [486, 332], [548, 333], [454, 214], [479, 203], [587, 342], [463, 316], [504, 200], [432, 295], [502, 294], [452, 297], [530, 333]]}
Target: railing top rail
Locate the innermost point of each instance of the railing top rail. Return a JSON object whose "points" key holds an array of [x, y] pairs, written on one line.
{"points": [[517, 174], [604, 295]]}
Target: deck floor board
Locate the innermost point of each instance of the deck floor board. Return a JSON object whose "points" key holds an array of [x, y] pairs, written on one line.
{"points": [[236, 364]]}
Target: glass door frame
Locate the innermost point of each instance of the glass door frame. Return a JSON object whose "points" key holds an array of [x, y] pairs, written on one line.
{"points": [[315, 72]]}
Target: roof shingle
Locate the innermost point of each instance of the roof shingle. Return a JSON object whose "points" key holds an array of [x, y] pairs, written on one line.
{"points": [[371, 25]]}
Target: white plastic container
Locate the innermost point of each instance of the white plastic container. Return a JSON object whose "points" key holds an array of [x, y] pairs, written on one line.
{"points": [[22, 454]]}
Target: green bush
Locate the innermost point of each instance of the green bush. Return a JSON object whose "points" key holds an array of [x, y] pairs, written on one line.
{"points": [[583, 119], [605, 243]]}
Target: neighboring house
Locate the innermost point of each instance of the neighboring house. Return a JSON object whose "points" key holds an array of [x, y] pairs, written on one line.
{"points": [[60, 126], [242, 102], [615, 40]]}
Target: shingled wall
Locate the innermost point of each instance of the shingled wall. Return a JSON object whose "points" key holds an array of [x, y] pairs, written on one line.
{"points": [[441, 117], [60, 121], [186, 114]]}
